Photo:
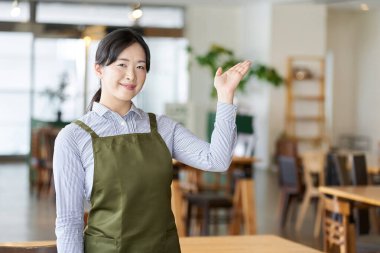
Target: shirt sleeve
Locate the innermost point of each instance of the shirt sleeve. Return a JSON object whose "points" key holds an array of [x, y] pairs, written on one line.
{"points": [[214, 156], [69, 178]]}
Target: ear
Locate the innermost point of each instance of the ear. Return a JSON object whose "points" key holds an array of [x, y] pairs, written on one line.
{"points": [[98, 70]]}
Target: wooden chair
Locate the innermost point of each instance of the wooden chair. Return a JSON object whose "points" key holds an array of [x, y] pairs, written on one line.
{"points": [[360, 177], [337, 229], [215, 191], [290, 185], [313, 164], [36, 160], [28, 247], [340, 166], [47, 137]]}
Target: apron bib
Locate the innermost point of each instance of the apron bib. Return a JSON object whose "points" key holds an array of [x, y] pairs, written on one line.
{"points": [[131, 194]]}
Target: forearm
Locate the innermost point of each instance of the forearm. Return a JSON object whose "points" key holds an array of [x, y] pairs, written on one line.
{"points": [[214, 156]]}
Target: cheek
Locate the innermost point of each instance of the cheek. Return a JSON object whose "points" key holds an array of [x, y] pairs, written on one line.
{"points": [[142, 77]]}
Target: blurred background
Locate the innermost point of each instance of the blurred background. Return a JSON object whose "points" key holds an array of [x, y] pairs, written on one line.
{"points": [[315, 80]]}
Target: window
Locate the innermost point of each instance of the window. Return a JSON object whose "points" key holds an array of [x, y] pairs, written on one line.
{"points": [[32, 67], [15, 87], [57, 61]]}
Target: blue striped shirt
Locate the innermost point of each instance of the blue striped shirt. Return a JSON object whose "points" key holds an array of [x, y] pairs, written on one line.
{"points": [[74, 162]]}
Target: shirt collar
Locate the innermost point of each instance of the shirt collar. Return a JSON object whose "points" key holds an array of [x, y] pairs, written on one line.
{"points": [[101, 110]]}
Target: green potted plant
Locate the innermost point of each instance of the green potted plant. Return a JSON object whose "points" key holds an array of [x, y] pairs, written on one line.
{"points": [[58, 96], [219, 56]]}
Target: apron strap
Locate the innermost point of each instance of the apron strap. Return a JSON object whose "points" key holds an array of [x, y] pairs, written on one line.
{"points": [[86, 128], [153, 122]]}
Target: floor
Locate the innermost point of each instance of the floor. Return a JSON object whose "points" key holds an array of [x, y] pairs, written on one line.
{"points": [[24, 217]]}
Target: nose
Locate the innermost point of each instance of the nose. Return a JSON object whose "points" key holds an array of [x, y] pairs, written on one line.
{"points": [[130, 74]]}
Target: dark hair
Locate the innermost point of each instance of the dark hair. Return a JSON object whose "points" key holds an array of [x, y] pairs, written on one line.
{"points": [[112, 45]]}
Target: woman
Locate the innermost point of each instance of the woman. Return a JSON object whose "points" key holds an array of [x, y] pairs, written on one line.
{"points": [[119, 158]]}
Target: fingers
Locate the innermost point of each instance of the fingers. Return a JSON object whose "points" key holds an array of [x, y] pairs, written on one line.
{"points": [[242, 67], [218, 71]]}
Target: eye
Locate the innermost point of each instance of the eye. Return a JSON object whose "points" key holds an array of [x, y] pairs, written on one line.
{"points": [[141, 67], [123, 65]]}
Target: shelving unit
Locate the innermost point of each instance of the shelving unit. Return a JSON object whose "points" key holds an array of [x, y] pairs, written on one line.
{"points": [[305, 107]]}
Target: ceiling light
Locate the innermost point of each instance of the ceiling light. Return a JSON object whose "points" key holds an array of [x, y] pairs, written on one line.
{"points": [[16, 10], [87, 40], [364, 7], [136, 12]]}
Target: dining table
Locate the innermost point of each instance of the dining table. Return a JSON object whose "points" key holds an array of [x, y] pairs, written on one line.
{"points": [[243, 209], [242, 244], [367, 194], [211, 244]]}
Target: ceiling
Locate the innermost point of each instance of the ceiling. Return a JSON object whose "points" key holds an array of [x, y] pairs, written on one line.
{"points": [[217, 2], [337, 4]]}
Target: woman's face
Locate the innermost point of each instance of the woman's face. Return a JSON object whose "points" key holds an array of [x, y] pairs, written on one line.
{"points": [[123, 79]]}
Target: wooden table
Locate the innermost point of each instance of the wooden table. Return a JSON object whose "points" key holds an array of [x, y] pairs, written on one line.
{"points": [[243, 203], [369, 195], [222, 244], [365, 194], [242, 244]]}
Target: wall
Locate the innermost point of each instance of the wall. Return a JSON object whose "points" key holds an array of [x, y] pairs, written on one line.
{"points": [[270, 34], [256, 20], [354, 40], [207, 24], [342, 38], [368, 77], [296, 30], [260, 32]]}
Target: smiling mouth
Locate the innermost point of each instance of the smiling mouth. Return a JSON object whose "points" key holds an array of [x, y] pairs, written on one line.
{"points": [[129, 86]]}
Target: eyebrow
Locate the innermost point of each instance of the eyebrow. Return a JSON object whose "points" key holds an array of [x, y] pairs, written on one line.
{"points": [[124, 59]]}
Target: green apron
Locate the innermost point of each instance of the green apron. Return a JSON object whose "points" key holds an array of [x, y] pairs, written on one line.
{"points": [[131, 194]]}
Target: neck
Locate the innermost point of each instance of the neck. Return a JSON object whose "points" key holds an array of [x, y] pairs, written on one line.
{"points": [[120, 107]]}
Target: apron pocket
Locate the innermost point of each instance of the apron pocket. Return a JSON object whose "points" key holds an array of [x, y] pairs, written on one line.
{"points": [[95, 244]]}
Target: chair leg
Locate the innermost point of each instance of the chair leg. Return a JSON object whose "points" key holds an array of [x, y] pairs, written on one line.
{"points": [[40, 181], [206, 220], [304, 206], [284, 207], [362, 217], [188, 218], [318, 219]]}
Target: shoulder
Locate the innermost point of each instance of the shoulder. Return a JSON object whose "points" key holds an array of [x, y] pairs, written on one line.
{"points": [[164, 121], [67, 135], [70, 133]]}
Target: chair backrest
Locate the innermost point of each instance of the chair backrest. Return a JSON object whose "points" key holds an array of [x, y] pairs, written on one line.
{"points": [[289, 172], [360, 177], [49, 134], [359, 170], [331, 175], [340, 165], [313, 163], [336, 225], [286, 147]]}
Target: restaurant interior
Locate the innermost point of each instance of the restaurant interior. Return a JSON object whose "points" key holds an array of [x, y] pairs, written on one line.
{"points": [[305, 173]]}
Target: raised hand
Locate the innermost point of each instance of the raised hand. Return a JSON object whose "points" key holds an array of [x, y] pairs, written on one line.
{"points": [[226, 83]]}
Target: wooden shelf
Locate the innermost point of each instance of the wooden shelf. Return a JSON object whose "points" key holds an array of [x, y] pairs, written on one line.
{"points": [[309, 138], [306, 118], [306, 58], [313, 88], [312, 79], [309, 98]]}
